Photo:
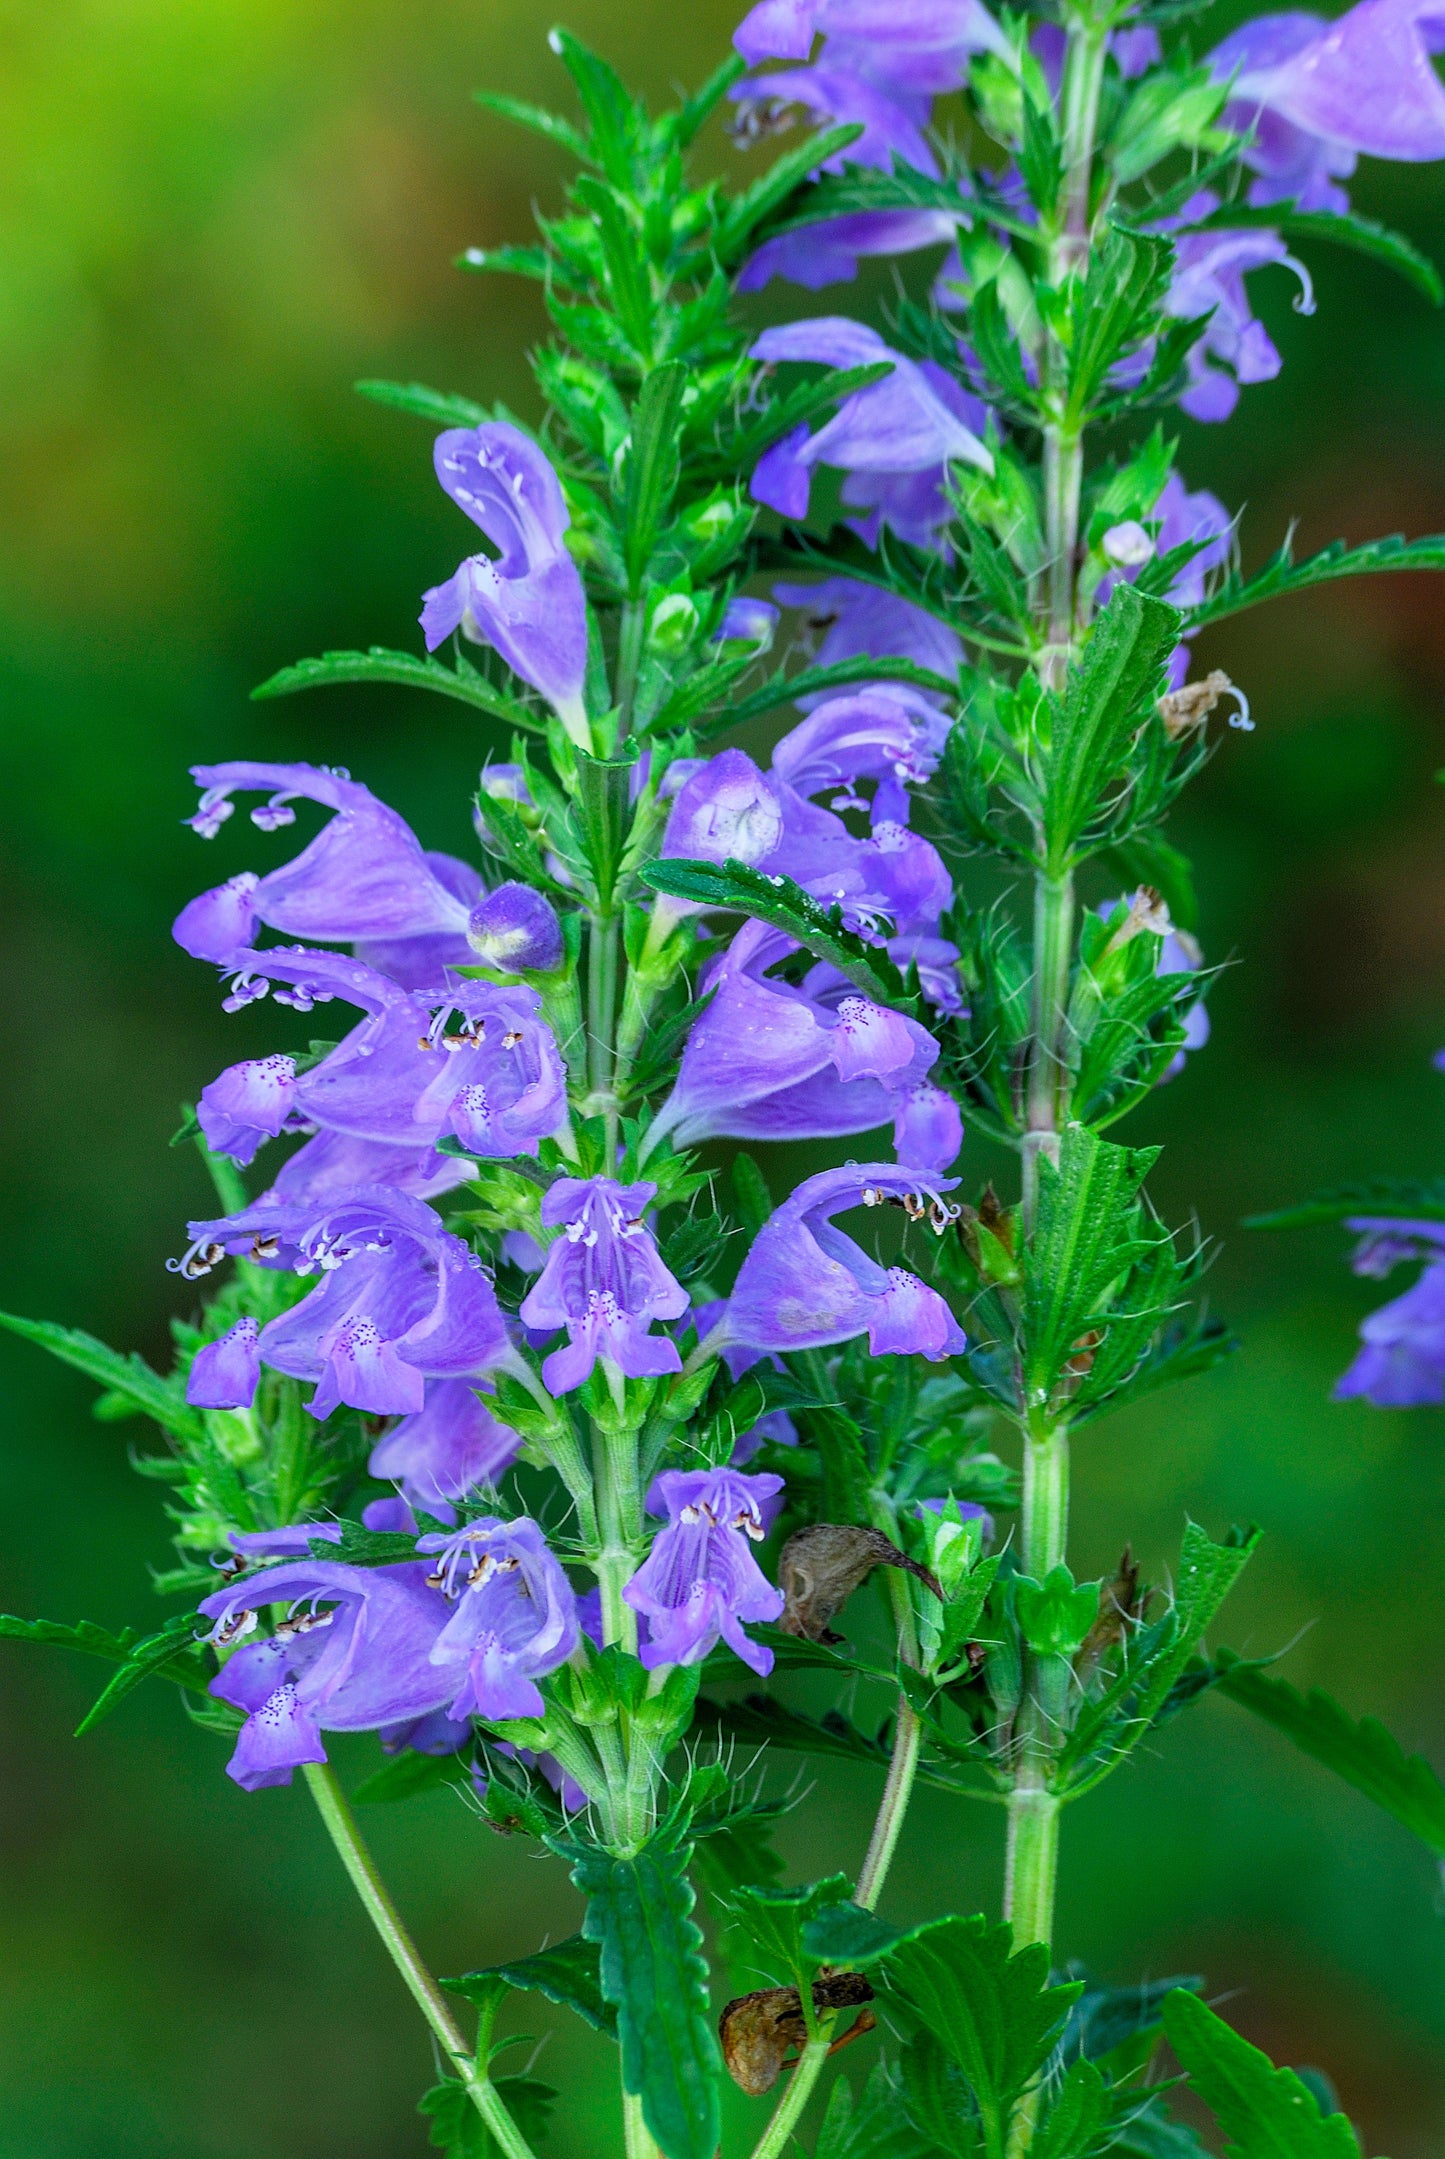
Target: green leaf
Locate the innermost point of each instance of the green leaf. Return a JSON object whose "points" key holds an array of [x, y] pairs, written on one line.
{"points": [[762, 1718], [130, 1376], [1282, 574], [541, 122], [1266, 2113], [652, 467], [869, 2127], [1392, 1198], [1079, 2110], [605, 101], [741, 452], [95, 1641], [652, 1969], [844, 1933], [458, 2129], [602, 814], [170, 1653], [1087, 1237], [1114, 306], [1364, 1753], [567, 1973], [379, 665], [1147, 858], [777, 900], [409, 1773], [439, 407], [767, 194], [774, 1919], [990, 2007], [937, 2101], [1106, 695]]}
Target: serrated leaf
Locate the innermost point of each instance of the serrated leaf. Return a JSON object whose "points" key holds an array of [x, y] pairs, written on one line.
{"points": [[786, 689], [441, 407], [1364, 1754], [774, 1919], [786, 906], [1087, 1238], [457, 2128], [379, 665], [1266, 2113], [567, 1973], [652, 1970], [170, 1653], [1079, 2109], [1282, 575], [130, 1376], [652, 466], [1107, 695], [871, 2126], [58, 1634]]}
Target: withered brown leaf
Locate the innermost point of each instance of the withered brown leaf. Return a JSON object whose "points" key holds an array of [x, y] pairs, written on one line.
{"points": [[758, 2029], [820, 1567]]}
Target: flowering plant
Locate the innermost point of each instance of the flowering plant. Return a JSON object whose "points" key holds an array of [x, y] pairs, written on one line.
{"points": [[516, 1434]]}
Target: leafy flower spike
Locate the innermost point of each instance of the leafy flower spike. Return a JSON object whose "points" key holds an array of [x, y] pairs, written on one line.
{"points": [[529, 602]]}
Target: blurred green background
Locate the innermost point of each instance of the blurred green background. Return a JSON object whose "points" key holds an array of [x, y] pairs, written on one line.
{"points": [[213, 219]]}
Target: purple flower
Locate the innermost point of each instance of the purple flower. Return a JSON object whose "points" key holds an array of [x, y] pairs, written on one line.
{"points": [[856, 618], [363, 876], [898, 425], [362, 1662], [804, 1284], [747, 621], [515, 1617], [1402, 1362], [890, 734], [225, 1373], [248, 1103], [829, 252], [529, 602], [892, 121], [604, 1282], [915, 505], [1208, 279], [1386, 1242], [516, 929], [927, 1129], [1319, 92], [768, 1060], [700, 1581], [475, 1062], [400, 1301], [917, 44], [452, 1444], [421, 963]]}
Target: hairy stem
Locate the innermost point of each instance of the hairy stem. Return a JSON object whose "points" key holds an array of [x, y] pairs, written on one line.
{"points": [[882, 1844], [1048, 1068], [384, 1916]]}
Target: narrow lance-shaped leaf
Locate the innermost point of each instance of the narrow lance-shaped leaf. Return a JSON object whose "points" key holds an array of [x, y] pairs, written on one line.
{"points": [[130, 1376], [766, 195], [1266, 2113], [441, 407], [379, 665], [1364, 1754], [1087, 1237], [786, 906], [652, 466], [1391, 1198], [170, 1653], [1282, 575], [652, 1970]]}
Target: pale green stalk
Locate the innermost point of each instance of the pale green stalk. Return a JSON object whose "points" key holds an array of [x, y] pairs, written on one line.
{"points": [[369, 1886]]}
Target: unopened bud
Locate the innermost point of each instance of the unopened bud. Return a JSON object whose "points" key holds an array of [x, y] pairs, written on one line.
{"points": [[517, 929], [674, 620], [1128, 546]]}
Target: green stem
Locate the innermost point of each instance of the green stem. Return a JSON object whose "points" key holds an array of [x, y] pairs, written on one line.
{"points": [[640, 2142], [614, 1456], [1047, 1102], [882, 1844], [629, 663], [384, 1916]]}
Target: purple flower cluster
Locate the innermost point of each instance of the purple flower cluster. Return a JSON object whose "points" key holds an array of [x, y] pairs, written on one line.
{"points": [[1401, 1364]]}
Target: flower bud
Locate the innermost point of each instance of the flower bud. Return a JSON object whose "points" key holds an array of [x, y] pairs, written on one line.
{"points": [[1128, 546], [673, 624], [517, 929]]}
